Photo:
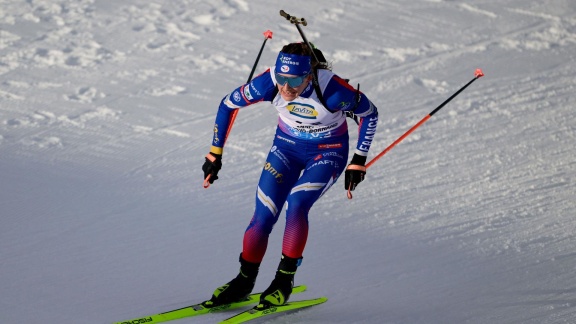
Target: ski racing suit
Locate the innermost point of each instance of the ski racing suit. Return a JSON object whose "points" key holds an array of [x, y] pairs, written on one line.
{"points": [[308, 154]]}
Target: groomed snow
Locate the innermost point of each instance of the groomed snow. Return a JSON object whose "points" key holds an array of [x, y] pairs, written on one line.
{"points": [[106, 114]]}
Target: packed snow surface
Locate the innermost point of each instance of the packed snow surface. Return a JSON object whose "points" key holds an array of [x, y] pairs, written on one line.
{"points": [[106, 114]]}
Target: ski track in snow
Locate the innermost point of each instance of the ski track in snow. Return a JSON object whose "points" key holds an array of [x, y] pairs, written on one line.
{"points": [[106, 113]]}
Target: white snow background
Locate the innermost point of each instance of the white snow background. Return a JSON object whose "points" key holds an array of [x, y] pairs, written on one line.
{"points": [[106, 114]]}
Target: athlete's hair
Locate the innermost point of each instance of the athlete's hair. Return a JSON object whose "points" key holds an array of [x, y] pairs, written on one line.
{"points": [[296, 48], [302, 49]]}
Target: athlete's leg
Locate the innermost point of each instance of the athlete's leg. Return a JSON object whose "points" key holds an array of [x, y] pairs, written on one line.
{"points": [[318, 176], [280, 172]]}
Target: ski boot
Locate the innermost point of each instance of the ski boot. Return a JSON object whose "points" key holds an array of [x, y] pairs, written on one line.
{"points": [[281, 287], [237, 289]]}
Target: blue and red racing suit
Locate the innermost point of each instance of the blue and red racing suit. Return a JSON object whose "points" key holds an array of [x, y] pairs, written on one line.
{"points": [[309, 152]]}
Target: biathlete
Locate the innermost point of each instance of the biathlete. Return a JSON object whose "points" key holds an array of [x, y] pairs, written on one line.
{"points": [[308, 154]]}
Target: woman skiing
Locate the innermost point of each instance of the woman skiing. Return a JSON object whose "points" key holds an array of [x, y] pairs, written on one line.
{"points": [[308, 154]]}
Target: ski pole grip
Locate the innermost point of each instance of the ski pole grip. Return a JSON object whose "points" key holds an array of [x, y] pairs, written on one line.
{"points": [[206, 183]]}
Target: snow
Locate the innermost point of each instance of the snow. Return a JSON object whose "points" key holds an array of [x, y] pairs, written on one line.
{"points": [[106, 114]]}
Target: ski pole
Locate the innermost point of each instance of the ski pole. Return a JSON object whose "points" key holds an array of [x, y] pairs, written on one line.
{"points": [[477, 74], [267, 35]]}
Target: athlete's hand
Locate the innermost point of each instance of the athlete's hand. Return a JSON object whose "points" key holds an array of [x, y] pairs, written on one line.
{"points": [[355, 172], [353, 175], [211, 166]]}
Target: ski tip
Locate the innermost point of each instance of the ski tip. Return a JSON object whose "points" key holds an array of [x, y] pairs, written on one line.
{"points": [[478, 73], [299, 288], [268, 34], [321, 300]]}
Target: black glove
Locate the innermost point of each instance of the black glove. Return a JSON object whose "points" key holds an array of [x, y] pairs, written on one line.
{"points": [[355, 172], [211, 167]]}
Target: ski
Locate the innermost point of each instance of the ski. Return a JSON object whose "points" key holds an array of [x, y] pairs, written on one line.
{"points": [[261, 310], [200, 309]]}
